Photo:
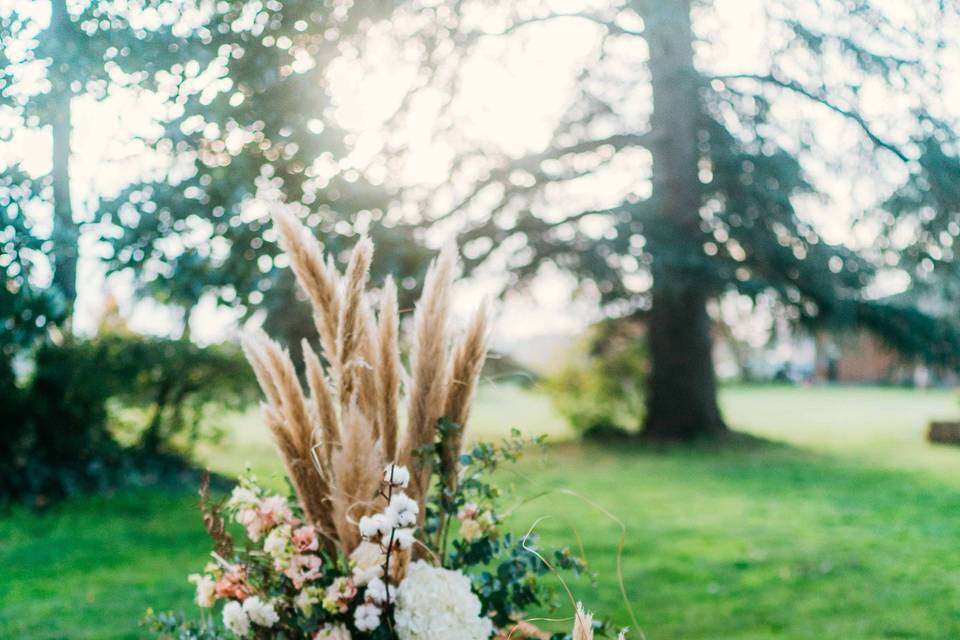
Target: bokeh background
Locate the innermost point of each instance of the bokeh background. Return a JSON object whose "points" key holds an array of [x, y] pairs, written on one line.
{"points": [[720, 237]]}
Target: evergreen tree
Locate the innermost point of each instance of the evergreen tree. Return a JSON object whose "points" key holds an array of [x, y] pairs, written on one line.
{"points": [[726, 180], [254, 122]]}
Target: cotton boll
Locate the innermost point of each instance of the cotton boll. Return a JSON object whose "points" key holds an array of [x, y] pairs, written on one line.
{"points": [[403, 510], [403, 538], [367, 617], [376, 526], [396, 475], [377, 591]]}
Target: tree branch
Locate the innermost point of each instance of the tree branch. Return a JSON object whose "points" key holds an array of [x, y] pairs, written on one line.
{"points": [[607, 23], [530, 163], [799, 89]]}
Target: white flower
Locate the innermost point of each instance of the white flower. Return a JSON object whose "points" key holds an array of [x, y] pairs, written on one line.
{"points": [[375, 526], [331, 632], [403, 509], [277, 543], [235, 619], [396, 475], [367, 617], [242, 497], [260, 612], [377, 591], [206, 589], [368, 558], [403, 538], [306, 599], [437, 603], [470, 530]]}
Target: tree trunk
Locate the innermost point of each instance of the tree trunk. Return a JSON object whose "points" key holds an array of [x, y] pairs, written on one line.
{"points": [[66, 232], [681, 391]]}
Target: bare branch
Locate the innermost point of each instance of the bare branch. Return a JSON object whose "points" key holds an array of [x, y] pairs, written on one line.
{"points": [[531, 162], [799, 89]]}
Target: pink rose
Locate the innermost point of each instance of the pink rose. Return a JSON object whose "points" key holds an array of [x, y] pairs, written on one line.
{"points": [[305, 539], [303, 568]]}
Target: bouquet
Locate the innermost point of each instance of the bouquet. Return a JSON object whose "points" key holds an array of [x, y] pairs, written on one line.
{"points": [[387, 533]]}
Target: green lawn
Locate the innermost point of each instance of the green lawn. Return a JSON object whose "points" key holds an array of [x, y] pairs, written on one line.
{"points": [[845, 525]]}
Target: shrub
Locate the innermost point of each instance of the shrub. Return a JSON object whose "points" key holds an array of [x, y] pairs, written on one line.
{"points": [[57, 436], [600, 389]]}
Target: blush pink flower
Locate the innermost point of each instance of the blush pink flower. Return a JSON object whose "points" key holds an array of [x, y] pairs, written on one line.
{"points": [[305, 539], [233, 584], [303, 568], [469, 511], [265, 515], [341, 591]]}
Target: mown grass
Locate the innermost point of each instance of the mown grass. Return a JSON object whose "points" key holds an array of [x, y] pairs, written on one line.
{"points": [[844, 524]]}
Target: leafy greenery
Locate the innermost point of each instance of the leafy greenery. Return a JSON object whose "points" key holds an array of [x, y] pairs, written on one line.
{"points": [[61, 441], [599, 390]]}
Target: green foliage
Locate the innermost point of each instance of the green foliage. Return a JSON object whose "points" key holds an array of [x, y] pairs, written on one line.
{"points": [[58, 439], [600, 390], [265, 129]]}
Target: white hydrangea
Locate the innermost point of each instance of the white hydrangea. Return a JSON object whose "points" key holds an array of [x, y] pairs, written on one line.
{"points": [[260, 612], [437, 604], [235, 618]]}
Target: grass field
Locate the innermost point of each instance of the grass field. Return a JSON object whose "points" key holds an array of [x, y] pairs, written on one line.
{"points": [[843, 524]]}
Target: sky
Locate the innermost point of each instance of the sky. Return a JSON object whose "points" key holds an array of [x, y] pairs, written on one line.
{"points": [[512, 103]]}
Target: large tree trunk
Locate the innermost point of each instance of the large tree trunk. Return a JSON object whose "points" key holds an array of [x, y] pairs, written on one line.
{"points": [[682, 393], [66, 232]]}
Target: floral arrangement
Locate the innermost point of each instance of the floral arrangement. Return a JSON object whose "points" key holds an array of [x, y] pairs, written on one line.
{"points": [[387, 534]]}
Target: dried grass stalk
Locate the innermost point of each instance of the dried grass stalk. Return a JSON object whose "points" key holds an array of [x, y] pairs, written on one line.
{"points": [[289, 420], [258, 362], [358, 470], [426, 397], [323, 402], [339, 485], [388, 370], [466, 363], [583, 625], [317, 277], [353, 325]]}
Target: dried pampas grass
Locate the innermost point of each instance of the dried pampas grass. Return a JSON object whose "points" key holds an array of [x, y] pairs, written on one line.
{"points": [[336, 441], [428, 363], [583, 625]]}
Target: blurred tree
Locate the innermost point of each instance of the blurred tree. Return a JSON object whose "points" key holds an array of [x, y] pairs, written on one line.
{"points": [[254, 125], [54, 52], [730, 171]]}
